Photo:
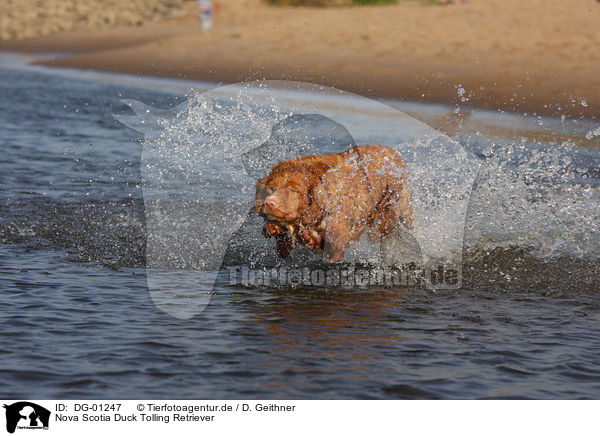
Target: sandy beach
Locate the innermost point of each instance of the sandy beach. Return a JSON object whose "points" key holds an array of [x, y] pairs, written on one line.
{"points": [[525, 57]]}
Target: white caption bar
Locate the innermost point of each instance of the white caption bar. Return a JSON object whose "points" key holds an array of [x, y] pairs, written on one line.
{"points": [[182, 417]]}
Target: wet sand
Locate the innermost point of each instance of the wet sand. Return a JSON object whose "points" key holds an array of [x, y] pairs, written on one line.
{"points": [[538, 56]]}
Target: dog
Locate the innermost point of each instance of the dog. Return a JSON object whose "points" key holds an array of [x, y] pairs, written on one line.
{"points": [[326, 202]]}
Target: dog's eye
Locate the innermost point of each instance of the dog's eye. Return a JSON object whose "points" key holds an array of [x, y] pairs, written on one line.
{"points": [[294, 190], [270, 189]]}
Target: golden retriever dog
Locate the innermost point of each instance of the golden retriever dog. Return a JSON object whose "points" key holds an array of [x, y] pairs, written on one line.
{"points": [[326, 202]]}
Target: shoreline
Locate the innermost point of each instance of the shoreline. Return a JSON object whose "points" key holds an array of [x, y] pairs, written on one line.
{"points": [[407, 86], [439, 116], [501, 73]]}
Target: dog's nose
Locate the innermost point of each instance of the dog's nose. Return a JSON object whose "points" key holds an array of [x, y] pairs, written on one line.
{"points": [[270, 202]]}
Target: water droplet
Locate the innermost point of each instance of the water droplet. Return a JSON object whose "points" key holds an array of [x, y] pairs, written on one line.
{"points": [[584, 103]]}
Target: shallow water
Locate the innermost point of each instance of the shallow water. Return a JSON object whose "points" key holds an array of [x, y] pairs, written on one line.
{"points": [[79, 321]]}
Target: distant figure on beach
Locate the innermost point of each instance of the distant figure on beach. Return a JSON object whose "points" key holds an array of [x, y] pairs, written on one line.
{"points": [[205, 14]]}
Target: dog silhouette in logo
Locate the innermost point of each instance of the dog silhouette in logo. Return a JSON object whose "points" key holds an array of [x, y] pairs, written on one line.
{"points": [[24, 410]]}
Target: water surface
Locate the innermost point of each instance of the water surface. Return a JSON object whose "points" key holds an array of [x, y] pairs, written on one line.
{"points": [[78, 320]]}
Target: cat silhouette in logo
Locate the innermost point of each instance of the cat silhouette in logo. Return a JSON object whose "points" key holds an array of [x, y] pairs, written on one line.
{"points": [[24, 410]]}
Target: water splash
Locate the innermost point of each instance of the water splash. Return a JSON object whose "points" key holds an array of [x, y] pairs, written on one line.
{"points": [[198, 196]]}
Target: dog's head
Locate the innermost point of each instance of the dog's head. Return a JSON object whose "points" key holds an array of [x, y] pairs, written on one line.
{"points": [[286, 193]]}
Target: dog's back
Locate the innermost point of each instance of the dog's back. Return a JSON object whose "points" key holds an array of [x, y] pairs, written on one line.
{"points": [[368, 189]]}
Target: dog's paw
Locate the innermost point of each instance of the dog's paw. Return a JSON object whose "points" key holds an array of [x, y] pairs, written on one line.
{"points": [[271, 229], [307, 238]]}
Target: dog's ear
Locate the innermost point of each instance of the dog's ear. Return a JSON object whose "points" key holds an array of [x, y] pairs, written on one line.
{"points": [[317, 200]]}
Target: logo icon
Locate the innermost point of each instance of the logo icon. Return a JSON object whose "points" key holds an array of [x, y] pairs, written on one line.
{"points": [[26, 415]]}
